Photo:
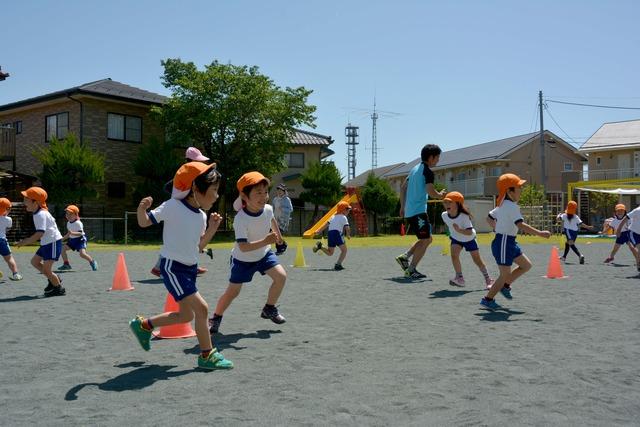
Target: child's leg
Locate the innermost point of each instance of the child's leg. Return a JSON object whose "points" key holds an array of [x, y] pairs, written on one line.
{"points": [[185, 314], [616, 246], [225, 300], [11, 262], [36, 262], [455, 259], [524, 265], [279, 277], [47, 267], [572, 244], [567, 246], [84, 255], [65, 257], [477, 259], [419, 249], [343, 253], [328, 251], [505, 275]]}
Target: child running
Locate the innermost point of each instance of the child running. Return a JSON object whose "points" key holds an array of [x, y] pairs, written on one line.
{"points": [[462, 235], [506, 220], [76, 240], [35, 200], [633, 221], [184, 235], [5, 223], [623, 238], [256, 229], [338, 227], [415, 192], [571, 223]]}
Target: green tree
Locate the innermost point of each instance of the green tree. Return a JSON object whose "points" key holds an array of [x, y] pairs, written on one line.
{"points": [[156, 162], [70, 170], [243, 119], [323, 185], [601, 205], [379, 198], [532, 195]]}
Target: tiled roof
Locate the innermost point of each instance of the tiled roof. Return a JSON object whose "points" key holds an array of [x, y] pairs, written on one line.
{"points": [[360, 180], [304, 137], [614, 136]]}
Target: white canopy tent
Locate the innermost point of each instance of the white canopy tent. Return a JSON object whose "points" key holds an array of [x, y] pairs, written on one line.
{"points": [[620, 191]]}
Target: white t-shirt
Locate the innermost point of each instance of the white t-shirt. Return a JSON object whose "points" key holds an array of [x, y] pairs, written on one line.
{"points": [[43, 221], [5, 222], [614, 222], [572, 224], [183, 227], [464, 222], [338, 222], [75, 226], [507, 215], [634, 216], [251, 227]]}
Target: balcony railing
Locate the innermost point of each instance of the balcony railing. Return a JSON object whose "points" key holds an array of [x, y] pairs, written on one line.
{"points": [[468, 187], [605, 174]]}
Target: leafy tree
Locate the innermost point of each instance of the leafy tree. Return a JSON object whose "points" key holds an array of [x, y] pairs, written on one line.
{"points": [[322, 184], [156, 163], [379, 198], [243, 119], [601, 205], [532, 195], [70, 170]]}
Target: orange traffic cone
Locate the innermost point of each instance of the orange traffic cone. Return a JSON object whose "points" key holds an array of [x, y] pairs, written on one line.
{"points": [[121, 280], [554, 270], [179, 330], [402, 231]]}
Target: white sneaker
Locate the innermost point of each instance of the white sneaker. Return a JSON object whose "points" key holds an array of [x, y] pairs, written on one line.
{"points": [[16, 276], [457, 281]]}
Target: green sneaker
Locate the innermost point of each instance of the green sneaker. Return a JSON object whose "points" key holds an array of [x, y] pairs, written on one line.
{"points": [[140, 333], [214, 361]]}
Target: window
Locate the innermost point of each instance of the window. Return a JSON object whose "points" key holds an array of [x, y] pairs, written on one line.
{"points": [[460, 176], [57, 126], [294, 160], [124, 128], [18, 127], [598, 161], [116, 190], [496, 171], [568, 166]]}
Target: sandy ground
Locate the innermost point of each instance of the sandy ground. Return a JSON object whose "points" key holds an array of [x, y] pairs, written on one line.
{"points": [[361, 347]]}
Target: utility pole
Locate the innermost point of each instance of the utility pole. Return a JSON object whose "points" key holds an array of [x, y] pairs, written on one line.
{"points": [[543, 178], [374, 137]]}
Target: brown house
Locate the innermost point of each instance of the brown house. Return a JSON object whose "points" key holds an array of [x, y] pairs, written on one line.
{"points": [[113, 118]]}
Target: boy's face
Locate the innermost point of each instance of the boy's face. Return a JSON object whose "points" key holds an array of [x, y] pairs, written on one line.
{"points": [[70, 216], [207, 199], [515, 194], [620, 213], [30, 204], [433, 160], [257, 198]]}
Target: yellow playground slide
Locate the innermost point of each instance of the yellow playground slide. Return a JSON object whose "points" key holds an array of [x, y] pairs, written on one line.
{"points": [[349, 198]]}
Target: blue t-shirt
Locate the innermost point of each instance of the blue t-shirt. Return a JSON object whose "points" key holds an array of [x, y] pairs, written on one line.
{"points": [[416, 198]]}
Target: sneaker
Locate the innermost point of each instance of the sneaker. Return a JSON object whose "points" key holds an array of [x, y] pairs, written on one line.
{"points": [[16, 276], [94, 265], [64, 267], [210, 253], [608, 260], [317, 246], [215, 360], [338, 267], [415, 274], [156, 272], [273, 315], [56, 291], [214, 324], [506, 292], [48, 289], [489, 282], [563, 259], [457, 281], [581, 259], [142, 335], [489, 304], [202, 270], [403, 260]]}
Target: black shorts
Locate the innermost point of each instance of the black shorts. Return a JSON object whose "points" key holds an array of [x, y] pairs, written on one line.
{"points": [[420, 226]]}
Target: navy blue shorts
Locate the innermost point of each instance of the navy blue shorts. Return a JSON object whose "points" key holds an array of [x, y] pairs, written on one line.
{"points": [[179, 279], [634, 238], [242, 271], [624, 238], [420, 226], [469, 246], [505, 249], [77, 243], [570, 234], [50, 251], [335, 238], [4, 247]]}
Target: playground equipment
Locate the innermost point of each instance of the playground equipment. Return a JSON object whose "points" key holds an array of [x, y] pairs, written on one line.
{"points": [[357, 211]]}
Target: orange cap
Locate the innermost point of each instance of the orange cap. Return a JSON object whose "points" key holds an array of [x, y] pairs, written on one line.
{"points": [[73, 209], [38, 194], [454, 196], [5, 204], [619, 207], [184, 177], [572, 207], [507, 181], [343, 207], [250, 178]]}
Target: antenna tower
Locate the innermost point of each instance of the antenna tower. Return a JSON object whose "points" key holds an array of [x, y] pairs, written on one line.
{"points": [[351, 132]]}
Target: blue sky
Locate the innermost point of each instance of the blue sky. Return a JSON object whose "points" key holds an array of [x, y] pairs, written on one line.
{"points": [[459, 72]]}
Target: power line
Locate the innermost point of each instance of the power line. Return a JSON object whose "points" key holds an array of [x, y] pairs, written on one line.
{"points": [[615, 107], [546, 107]]}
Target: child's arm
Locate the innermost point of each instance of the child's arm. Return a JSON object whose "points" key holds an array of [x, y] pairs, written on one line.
{"points": [[276, 229], [491, 221], [347, 231], [66, 236], [621, 226], [465, 231], [214, 222], [321, 229], [31, 239], [526, 228], [586, 227], [143, 216], [269, 239], [74, 233]]}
